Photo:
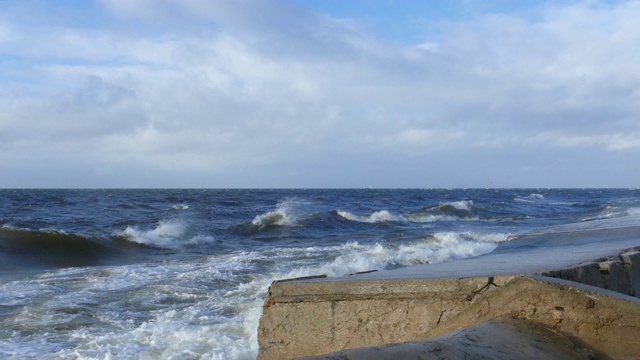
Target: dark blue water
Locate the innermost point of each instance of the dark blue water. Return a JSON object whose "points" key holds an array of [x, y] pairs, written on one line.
{"points": [[183, 273]]}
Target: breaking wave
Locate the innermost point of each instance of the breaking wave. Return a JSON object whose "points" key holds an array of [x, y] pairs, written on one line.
{"points": [[609, 211], [378, 216], [272, 218], [355, 257], [166, 234], [451, 211], [286, 213]]}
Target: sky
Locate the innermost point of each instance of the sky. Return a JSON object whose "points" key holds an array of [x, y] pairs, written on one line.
{"points": [[319, 94]]}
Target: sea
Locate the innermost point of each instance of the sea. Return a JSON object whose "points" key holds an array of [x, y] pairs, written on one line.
{"points": [[183, 273]]}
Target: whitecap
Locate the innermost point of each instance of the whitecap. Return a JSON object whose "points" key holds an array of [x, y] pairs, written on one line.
{"points": [[427, 218], [378, 216], [531, 198], [163, 235], [461, 205], [440, 247]]}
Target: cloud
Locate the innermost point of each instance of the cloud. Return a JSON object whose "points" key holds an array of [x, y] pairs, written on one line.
{"points": [[245, 87]]}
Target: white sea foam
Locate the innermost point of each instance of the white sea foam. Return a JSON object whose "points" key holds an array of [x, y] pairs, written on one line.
{"points": [[439, 248], [427, 218], [531, 198], [461, 205], [634, 211], [180, 207], [378, 216], [163, 235]]}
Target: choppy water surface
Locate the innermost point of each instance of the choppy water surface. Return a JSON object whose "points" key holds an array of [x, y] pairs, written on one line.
{"points": [[149, 274]]}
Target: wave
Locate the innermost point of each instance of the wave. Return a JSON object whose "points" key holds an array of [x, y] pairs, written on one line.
{"points": [[609, 211], [354, 257], [287, 213], [531, 198], [272, 218], [52, 248], [167, 234], [290, 213], [450, 211], [378, 216], [536, 196]]}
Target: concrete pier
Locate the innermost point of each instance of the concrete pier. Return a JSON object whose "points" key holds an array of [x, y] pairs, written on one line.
{"points": [[579, 285]]}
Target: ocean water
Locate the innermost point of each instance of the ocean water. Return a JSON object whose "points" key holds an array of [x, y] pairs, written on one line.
{"points": [[182, 274]]}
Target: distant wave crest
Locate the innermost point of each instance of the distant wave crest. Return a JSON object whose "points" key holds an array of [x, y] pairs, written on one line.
{"points": [[378, 216], [451, 211], [531, 198]]}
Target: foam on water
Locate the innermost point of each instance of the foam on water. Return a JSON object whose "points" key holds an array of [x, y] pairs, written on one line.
{"points": [[461, 205], [531, 198], [378, 216], [439, 248], [164, 235]]}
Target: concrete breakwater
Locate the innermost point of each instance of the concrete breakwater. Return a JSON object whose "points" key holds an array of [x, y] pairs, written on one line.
{"points": [[571, 294]]}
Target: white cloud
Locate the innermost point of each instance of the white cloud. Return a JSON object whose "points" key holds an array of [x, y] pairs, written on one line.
{"points": [[250, 85]]}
